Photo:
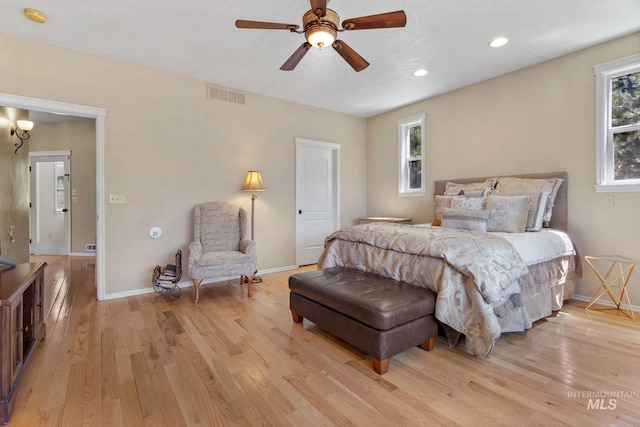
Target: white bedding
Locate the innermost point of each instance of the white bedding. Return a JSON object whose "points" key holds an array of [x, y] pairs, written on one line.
{"points": [[469, 301], [541, 246]]}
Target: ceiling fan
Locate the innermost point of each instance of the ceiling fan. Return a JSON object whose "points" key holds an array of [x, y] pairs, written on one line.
{"points": [[321, 27]]}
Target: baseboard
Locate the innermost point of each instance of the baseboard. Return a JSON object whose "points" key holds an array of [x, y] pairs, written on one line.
{"points": [[188, 283], [603, 302], [82, 254], [277, 269]]}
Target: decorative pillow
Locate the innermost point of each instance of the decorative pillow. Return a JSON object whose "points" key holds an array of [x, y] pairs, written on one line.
{"points": [[536, 210], [465, 219], [476, 189], [507, 213], [532, 186], [473, 203], [439, 203]]}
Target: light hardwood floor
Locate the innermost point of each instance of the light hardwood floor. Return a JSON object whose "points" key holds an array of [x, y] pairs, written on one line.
{"points": [[234, 360]]}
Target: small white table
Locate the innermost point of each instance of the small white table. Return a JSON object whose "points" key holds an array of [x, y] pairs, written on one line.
{"points": [[617, 276]]}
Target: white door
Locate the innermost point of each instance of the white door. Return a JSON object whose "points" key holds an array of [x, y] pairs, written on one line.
{"points": [[49, 219], [317, 194]]}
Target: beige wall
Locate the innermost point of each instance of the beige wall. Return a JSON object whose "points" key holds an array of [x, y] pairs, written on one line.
{"points": [[78, 137], [168, 148], [14, 190], [539, 119]]}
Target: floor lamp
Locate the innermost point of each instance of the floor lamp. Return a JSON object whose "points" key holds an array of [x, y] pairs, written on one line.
{"points": [[253, 183]]}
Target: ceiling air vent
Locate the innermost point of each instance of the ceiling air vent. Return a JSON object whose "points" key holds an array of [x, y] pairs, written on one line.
{"points": [[226, 95]]}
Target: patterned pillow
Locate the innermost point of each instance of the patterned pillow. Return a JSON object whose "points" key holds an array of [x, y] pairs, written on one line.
{"points": [[473, 203], [439, 203], [532, 186], [465, 219], [507, 214], [476, 189], [536, 211]]}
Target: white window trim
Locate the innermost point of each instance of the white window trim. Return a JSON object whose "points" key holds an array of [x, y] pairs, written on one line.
{"points": [[403, 173], [55, 189], [604, 136]]}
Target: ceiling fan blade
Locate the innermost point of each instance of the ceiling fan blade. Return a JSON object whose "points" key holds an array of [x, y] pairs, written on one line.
{"points": [[319, 4], [293, 60], [351, 56], [383, 20], [241, 23]]}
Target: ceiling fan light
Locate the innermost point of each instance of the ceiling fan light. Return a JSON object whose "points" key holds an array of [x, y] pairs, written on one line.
{"points": [[321, 36]]}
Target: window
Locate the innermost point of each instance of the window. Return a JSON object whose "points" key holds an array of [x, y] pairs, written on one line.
{"points": [[618, 125], [411, 174], [59, 186]]}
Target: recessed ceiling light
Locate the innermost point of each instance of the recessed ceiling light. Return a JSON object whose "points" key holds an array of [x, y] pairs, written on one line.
{"points": [[35, 15], [420, 73], [500, 41]]}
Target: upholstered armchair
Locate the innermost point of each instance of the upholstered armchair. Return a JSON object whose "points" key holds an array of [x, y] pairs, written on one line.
{"points": [[220, 246]]}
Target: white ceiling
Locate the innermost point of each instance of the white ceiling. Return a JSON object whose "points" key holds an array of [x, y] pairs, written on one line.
{"points": [[197, 38]]}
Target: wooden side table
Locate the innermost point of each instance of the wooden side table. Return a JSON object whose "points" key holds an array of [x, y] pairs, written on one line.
{"points": [[617, 276], [385, 219]]}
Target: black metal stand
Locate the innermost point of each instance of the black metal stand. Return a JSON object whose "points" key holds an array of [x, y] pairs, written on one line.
{"points": [[168, 287]]}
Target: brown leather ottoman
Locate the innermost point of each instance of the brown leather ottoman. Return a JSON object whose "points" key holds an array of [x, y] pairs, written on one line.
{"points": [[380, 316]]}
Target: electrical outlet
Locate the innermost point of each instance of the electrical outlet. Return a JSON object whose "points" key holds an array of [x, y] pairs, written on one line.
{"points": [[268, 256], [608, 201], [117, 198]]}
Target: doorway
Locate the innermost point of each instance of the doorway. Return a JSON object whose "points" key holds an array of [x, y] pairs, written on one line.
{"points": [[98, 114], [49, 218], [317, 197]]}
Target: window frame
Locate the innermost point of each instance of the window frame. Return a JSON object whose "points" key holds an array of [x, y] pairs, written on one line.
{"points": [[58, 166], [404, 158], [605, 73]]}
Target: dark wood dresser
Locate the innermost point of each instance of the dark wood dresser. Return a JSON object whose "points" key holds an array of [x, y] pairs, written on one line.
{"points": [[21, 326]]}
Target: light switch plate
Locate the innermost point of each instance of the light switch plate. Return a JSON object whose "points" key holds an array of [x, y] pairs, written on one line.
{"points": [[117, 198]]}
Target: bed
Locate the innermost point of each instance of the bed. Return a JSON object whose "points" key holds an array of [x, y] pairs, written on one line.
{"points": [[490, 275]]}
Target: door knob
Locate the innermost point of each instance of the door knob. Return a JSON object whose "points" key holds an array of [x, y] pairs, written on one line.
{"points": [[299, 211]]}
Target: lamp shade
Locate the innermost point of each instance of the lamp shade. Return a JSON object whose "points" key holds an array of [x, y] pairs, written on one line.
{"points": [[253, 182], [25, 125]]}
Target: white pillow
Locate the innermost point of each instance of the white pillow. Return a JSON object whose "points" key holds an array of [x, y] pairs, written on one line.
{"points": [[537, 207], [507, 214], [475, 189], [532, 186]]}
